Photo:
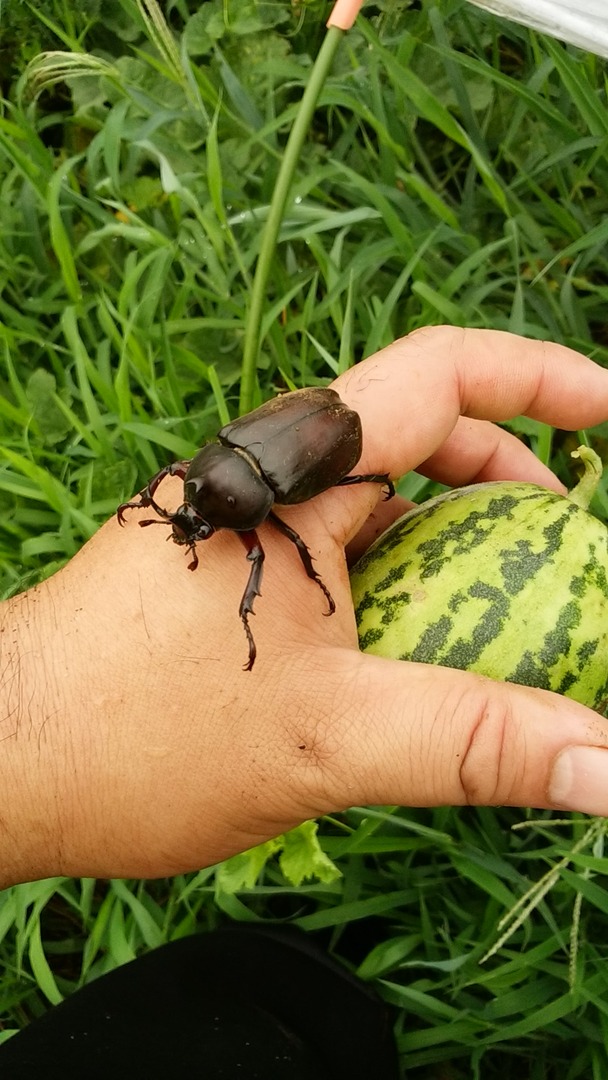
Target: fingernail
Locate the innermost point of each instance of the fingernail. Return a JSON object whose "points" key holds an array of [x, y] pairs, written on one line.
{"points": [[579, 780]]}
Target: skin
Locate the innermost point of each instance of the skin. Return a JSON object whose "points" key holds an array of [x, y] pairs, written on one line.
{"points": [[133, 743]]}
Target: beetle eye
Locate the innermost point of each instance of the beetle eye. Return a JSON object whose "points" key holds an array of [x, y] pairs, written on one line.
{"points": [[231, 500]]}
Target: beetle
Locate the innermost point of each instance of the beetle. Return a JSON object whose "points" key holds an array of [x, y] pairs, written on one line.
{"points": [[287, 451]]}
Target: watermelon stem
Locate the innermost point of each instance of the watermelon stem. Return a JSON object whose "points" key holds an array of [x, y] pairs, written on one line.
{"points": [[584, 491]]}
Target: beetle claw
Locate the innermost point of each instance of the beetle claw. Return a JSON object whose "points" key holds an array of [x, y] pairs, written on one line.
{"points": [[331, 603], [120, 513], [369, 478], [252, 649]]}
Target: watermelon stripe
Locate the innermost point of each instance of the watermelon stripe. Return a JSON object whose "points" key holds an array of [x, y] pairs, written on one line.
{"points": [[501, 578]]}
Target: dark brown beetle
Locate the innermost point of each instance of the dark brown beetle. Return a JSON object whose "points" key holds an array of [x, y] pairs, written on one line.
{"points": [[287, 451]]}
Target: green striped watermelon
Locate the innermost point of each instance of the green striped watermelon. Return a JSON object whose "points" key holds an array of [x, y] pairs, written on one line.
{"points": [[506, 579]]}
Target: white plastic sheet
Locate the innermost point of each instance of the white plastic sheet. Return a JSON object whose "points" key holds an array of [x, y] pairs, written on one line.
{"points": [[581, 22]]}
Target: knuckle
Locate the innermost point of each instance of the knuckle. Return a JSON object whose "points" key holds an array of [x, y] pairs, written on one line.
{"points": [[486, 770]]}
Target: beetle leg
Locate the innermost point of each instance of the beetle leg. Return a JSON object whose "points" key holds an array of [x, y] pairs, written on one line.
{"points": [[255, 554], [145, 497], [305, 556], [190, 548], [370, 478]]}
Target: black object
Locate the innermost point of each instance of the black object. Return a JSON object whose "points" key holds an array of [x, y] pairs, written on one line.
{"points": [[242, 1002], [287, 451]]}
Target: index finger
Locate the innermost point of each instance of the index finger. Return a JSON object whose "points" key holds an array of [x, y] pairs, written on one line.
{"points": [[412, 393]]}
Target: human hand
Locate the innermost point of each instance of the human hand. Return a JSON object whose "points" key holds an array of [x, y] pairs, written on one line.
{"points": [[135, 745]]}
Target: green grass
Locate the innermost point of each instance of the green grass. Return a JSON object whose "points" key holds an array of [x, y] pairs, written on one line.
{"points": [[456, 170]]}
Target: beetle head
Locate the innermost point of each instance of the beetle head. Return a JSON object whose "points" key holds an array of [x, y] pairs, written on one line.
{"points": [[189, 526]]}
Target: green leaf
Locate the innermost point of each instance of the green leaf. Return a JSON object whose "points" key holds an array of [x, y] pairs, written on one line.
{"points": [[303, 859], [204, 29], [41, 390], [243, 870]]}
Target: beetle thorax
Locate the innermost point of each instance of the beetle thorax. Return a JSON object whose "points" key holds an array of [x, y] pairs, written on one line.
{"points": [[226, 489]]}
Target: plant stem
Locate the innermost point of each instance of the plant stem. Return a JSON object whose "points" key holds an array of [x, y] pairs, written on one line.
{"points": [[253, 333], [584, 491]]}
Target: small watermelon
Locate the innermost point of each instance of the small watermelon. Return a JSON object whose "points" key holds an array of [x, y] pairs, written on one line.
{"points": [[506, 579]]}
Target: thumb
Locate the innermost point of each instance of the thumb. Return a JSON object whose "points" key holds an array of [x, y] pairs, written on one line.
{"points": [[418, 735]]}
